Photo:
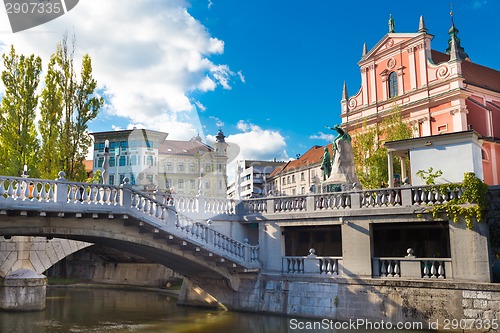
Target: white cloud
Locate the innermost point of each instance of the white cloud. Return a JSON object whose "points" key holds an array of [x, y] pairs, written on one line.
{"points": [[219, 123], [253, 143], [322, 136], [479, 3], [148, 55], [200, 106], [241, 76]]}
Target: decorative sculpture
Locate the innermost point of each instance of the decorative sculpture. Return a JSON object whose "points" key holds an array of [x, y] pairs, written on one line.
{"points": [[326, 165], [343, 173]]}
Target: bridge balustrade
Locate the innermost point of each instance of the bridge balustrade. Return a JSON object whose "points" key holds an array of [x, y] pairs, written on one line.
{"points": [[57, 194], [314, 265], [412, 268], [368, 199]]}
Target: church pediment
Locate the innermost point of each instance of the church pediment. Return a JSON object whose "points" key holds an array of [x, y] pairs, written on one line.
{"points": [[388, 42]]}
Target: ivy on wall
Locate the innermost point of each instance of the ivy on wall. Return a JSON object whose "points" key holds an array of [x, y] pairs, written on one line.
{"points": [[470, 205]]}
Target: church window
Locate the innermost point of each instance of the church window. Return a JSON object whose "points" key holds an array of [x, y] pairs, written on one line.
{"points": [[393, 85]]}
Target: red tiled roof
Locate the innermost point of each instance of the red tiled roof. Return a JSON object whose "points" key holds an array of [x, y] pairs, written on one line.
{"points": [[311, 157], [474, 74]]}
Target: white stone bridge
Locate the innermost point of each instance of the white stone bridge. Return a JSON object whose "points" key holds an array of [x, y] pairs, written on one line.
{"points": [[119, 217]]}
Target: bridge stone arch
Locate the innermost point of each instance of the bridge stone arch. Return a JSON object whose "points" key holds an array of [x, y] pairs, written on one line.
{"points": [[127, 234], [125, 219], [35, 253]]}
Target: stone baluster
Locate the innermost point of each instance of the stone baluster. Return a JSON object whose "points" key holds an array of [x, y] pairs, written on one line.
{"points": [[383, 269], [440, 270], [390, 268], [433, 269], [396, 269], [61, 188], [426, 269]]}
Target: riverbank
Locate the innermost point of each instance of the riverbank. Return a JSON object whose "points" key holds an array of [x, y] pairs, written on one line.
{"points": [[81, 283]]}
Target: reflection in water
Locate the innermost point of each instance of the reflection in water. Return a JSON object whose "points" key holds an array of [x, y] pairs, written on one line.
{"points": [[75, 310]]}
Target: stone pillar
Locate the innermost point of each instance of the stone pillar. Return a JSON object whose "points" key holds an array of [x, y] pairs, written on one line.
{"points": [[356, 248], [470, 251], [23, 290], [403, 169], [391, 170]]}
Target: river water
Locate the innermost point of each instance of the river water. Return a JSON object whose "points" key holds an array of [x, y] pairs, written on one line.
{"points": [[99, 310]]}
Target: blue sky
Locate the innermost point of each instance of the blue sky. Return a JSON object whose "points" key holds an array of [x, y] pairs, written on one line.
{"points": [[270, 73]]}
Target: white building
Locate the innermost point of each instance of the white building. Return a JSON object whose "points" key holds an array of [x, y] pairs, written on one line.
{"points": [[186, 167], [132, 154], [251, 178], [153, 163], [300, 176]]}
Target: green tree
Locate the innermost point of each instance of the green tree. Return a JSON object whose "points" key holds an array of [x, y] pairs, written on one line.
{"points": [[370, 155], [49, 126], [80, 106], [18, 137]]}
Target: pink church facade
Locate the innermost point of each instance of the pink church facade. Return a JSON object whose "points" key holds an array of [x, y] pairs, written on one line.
{"points": [[437, 92]]}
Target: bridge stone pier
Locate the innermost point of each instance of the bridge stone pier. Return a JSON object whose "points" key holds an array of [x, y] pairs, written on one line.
{"points": [[23, 259]]}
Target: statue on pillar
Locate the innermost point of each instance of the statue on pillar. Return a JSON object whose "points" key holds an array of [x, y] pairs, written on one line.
{"points": [[343, 173]]}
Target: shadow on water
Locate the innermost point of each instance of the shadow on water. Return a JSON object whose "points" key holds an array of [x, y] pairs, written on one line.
{"points": [[75, 310]]}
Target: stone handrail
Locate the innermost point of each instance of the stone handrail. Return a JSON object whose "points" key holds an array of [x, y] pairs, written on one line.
{"points": [[311, 265], [156, 210], [204, 205], [411, 267], [406, 196]]}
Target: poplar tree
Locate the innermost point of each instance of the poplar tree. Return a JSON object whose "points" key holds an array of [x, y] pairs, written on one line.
{"points": [[49, 126], [79, 105], [18, 137]]}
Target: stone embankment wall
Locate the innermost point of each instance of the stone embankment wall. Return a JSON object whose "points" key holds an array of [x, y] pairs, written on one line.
{"points": [[434, 304]]}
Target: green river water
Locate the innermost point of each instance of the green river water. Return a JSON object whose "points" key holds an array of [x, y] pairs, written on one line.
{"points": [[106, 310]]}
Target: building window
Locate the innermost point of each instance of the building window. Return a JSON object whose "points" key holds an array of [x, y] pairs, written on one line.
{"points": [[208, 168], [133, 160], [124, 144], [149, 178], [192, 183], [288, 180], [149, 160], [100, 161], [293, 179], [294, 192], [122, 177], [181, 166], [167, 184], [112, 161], [302, 176], [442, 128], [484, 155], [180, 183], [132, 179], [302, 190], [111, 179], [192, 167], [123, 161], [219, 167], [168, 166], [393, 85]]}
